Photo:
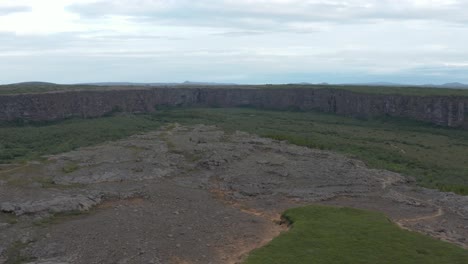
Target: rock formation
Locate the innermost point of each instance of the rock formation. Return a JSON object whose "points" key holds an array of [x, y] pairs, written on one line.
{"points": [[451, 111]]}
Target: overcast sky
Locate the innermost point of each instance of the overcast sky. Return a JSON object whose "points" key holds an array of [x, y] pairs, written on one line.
{"points": [[241, 41]]}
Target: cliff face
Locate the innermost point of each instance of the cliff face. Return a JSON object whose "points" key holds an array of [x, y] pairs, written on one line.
{"points": [[53, 106], [465, 121], [440, 110]]}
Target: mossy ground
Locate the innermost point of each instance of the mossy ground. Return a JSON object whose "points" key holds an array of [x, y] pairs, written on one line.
{"points": [[330, 235]]}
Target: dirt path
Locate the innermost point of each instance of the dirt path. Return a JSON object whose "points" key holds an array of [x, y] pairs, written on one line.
{"points": [[13, 169], [387, 182], [439, 213]]}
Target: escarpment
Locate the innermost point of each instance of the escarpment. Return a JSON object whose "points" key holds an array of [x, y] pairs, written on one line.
{"points": [[450, 111]]}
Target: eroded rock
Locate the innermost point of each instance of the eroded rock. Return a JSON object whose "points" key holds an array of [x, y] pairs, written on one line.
{"points": [[57, 204]]}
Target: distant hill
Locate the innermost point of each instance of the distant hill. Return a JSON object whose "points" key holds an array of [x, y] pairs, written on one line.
{"points": [[34, 84], [127, 84], [454, 85], [380, 84], [154, 84], [452, 89]]}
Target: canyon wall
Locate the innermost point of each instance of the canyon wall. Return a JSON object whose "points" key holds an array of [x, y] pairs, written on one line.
{"points": [[465, 121], [441, 110], [61, 105], [448, 111]]}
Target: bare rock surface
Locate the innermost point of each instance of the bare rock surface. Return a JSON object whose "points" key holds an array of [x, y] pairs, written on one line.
{"points": [[195, 195], [55, 205]]}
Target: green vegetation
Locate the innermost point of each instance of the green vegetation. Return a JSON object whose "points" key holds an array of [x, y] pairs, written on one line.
{"points": [[46, 182], [13, 254], [34, 87], [19, 142], [23, 88], [411, 90], [71, 167], [322, 234], [434, 156], [60, 218], [8, 218]]}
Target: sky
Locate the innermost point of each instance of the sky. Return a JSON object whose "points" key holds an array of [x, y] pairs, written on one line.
{"points": [[234, 41]]}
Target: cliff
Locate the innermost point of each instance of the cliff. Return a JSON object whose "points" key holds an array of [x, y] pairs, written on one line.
{"points": [[451, 111]]}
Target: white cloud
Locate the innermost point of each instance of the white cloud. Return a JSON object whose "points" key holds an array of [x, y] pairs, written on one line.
{"points": [[52, 16], [7, 9], [234, 38]]}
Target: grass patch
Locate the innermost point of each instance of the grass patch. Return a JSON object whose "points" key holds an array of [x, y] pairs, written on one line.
{"points": [[59, 218], [170, 145], [322, 234], [14, 256], [71, 167], [19, 142], [8, 218]]}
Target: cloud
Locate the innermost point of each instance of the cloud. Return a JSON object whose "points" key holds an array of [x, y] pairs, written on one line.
{"points": [[251, 12], [246, 33], [239, 40], [6, 10]]}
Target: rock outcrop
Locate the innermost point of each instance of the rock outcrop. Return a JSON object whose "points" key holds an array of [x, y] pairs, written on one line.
{"points": [[451, 111], [58, 204]]}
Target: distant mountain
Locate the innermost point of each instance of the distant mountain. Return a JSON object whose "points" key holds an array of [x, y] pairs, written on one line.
{"points": [[454, 85], [128, 84], [355, 84], [380, 84], [33, 84], [206, 83], [153, 84]]}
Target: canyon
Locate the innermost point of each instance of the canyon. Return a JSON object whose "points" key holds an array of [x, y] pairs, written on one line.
{"points": [[449, 111]]}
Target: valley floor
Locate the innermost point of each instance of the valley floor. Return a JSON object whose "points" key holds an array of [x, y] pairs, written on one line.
{"points": [[198, 194]]}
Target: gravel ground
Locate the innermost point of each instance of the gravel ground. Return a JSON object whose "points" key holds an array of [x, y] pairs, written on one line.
{"points": [[194, 195]]}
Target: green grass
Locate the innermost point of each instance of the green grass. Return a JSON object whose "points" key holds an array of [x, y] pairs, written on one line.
{"points": [[330, 235], [26, 88], [8, 218], [14, 256], [410, 90], [71, 167], [60, 218], [435, 156], [30, 141]]}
